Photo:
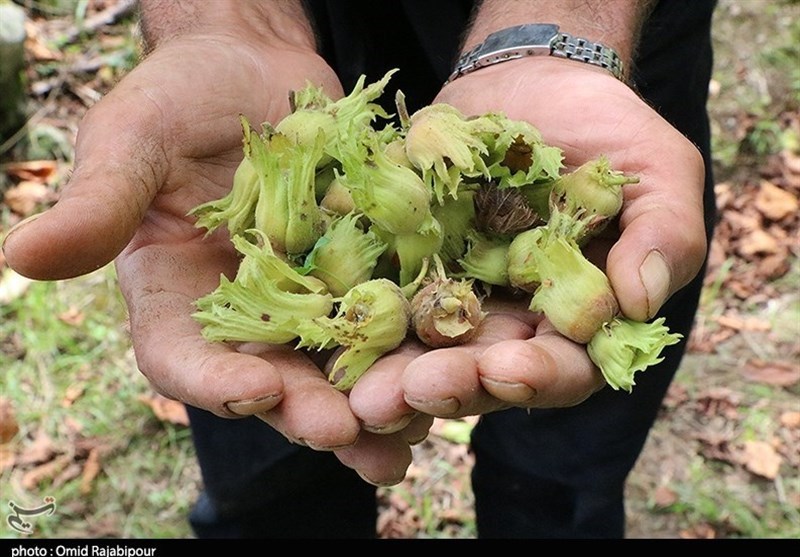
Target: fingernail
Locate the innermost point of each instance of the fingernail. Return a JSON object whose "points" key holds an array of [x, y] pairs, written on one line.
{"points": [[385, 429], [19, 225], [324, 448], [417, 440], [655, 276], [384, 483], [251, 406], [508, 391], [436, 407]]}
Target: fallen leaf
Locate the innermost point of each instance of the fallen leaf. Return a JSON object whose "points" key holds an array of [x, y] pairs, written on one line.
{"points": [[8, 421], [7, 458], [761, 459], [719, 401], [72, 393], [69, 473], [26, 196], [790, 419], [34, 171], [775, 203], [791, 160], [37, 47], [41, 449], [90, 471], [775, 265], [781, 374], [73, 316], [699, 532], [166, 409], [743, 323], [46, 471], [756, 242], [664, 497]]}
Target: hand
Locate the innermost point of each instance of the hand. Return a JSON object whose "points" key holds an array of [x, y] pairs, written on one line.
{"points": [[164, 140], [518, 360]]}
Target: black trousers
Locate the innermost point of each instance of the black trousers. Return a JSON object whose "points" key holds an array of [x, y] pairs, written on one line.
{"points": [[538, 474]]}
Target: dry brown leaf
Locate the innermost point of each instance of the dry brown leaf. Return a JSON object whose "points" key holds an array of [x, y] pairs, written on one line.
{"points": [[8, 421], [7, 458], [775, 203], [72, 393], [740, 323], [664, 497], [761, 459], [775, 266], [41, 449], [699, 532], [73, 316], [166, 410], [26, 196], [791, 161], [758, 241], [68, 474], [37, 47], [782, 374], [719, 401], [46, 471], [33, 171], [790, 419], [90, 470]]}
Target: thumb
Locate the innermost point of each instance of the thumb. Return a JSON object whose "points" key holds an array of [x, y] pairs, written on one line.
{"points": [[661, 249], [119, 165]]}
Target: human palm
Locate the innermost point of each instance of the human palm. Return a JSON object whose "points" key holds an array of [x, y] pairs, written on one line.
{"points": [[166, 139], [518, 359]]}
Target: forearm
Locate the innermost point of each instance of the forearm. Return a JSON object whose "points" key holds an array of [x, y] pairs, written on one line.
{"points": [[282, 21], [615, 23]]}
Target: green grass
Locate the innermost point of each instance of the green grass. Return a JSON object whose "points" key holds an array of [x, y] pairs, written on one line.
{"points": [[148, 475]]}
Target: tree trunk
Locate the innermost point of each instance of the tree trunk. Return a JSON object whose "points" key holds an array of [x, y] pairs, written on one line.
{"points": [[12, 66]]}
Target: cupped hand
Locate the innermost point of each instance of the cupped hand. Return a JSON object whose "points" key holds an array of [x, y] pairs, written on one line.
{"points": [[166, 139], [518, 359]]}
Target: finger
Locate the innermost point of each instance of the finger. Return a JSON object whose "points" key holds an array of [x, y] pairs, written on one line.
{"points": [[546, 371], [377, 398], [663, 237], [446, 382], [160, 285], [120, 162], [381, 460], [418, 428], [312, 412]]}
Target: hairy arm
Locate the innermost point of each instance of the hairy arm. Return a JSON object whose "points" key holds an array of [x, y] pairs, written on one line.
{"points": [[164, 20], [615, 23]]}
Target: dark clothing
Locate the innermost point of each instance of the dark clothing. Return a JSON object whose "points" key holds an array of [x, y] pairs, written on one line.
{"points": [[539, 473]]}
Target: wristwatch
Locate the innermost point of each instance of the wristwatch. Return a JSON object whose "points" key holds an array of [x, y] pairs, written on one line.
{"points": [[536, 39]]}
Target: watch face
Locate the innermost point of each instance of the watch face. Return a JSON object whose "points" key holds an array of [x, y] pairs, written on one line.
{"points": [[520, 37]]}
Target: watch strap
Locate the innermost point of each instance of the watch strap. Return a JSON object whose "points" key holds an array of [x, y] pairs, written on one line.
{"points": [[536, 39]]}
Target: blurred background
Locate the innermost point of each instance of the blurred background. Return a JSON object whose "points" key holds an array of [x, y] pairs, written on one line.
{"points": [[80, 425]]}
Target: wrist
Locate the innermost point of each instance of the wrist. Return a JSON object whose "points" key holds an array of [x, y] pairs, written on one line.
{"points": [[283, 24], [615, 24]]}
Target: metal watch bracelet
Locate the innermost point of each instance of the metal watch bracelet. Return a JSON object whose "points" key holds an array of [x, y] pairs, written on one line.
{"points": [[537, 39]]}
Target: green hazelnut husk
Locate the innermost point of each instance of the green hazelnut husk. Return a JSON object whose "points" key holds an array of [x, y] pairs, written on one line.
{"points": [[573, 294], [345, 255], [372, 319], [623, 347]]}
